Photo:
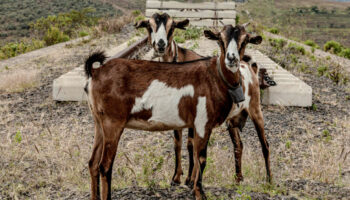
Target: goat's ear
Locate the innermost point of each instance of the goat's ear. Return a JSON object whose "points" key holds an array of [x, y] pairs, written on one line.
{"points": [[141, 24], [255, 40], [210, 35], [182, 24]]}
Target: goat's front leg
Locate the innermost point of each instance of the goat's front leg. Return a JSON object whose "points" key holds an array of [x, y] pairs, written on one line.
{"points": [[200, 160], [176, 180], [258, 120], [189, 180], [111, 132]]}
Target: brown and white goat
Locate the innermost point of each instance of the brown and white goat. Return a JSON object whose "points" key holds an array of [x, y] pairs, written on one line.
{"points": [[156, 96], [160, 29]]}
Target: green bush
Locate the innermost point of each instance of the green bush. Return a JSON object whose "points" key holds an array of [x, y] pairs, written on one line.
{"points": [[345, 53], [274, 30], [15, 48], [322, 70], [136, 13], [333, 47], [83, 33], [68, 23], [295, 48], [278, 43], [191, 33], [237, 19], [311, 44], [54, 36]]}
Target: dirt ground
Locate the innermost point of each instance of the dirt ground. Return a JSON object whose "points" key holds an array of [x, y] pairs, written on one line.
{"points": [[45, 145]]}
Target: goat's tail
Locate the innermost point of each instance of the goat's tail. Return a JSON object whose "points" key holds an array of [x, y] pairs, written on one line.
{"points": [[97, 56]]}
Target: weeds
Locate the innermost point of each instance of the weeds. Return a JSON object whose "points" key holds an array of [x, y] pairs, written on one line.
{"points": [[18, 137], [295, 48], [273, 30], [277, 43], [312, 44], [191, 33], [322, 70]]}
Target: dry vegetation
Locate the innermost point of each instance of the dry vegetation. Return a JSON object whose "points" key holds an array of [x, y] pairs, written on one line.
{"points": [[18, 81], [315, 20]]}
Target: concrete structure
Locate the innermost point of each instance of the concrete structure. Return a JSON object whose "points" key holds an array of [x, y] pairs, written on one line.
{"points": [[290, 90], [70, 86], [200, 14]]}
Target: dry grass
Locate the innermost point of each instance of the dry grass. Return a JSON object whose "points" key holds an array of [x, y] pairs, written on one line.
{"points": [[19, 80], [113, 25]]}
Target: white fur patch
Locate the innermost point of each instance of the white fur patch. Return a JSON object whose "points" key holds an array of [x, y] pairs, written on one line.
{"points": [[232, 49], [201, 117], [90, 99], [245, 72], [96, 65], [164, 103], [160, 34]]}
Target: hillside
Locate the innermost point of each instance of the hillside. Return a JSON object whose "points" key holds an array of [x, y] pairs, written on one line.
{"points": [[318, 20], [17, 15]]}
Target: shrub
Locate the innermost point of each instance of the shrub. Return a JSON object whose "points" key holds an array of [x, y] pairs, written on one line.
{"points": [[273, 30], [54, 36], [15, 48], [136, 13], [311, 44], [345, 53], [322, 70], [295, 48], [278, 43], [333, 47], [83, 34], [68, 23], [237, 19]]}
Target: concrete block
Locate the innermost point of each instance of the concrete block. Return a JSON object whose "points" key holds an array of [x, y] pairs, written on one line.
{"points": [[289, 91], [70, 86]]}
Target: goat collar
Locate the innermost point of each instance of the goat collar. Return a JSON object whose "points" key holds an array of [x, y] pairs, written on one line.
{"points": [[221, 74], [235, 92], [176, 49]]}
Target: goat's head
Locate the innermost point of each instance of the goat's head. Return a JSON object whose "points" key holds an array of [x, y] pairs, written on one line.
{"points": [[160, 29], [233, 41]]}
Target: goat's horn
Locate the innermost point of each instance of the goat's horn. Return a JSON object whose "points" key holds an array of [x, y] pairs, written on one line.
{"points": [[246, 24], [222, 23]]}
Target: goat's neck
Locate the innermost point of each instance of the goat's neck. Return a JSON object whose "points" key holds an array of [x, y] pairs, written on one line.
{"points": [[171, 54], [233, 78]]}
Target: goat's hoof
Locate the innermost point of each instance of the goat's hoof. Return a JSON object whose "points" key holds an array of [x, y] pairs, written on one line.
{"points": [[189, 184], [199, 195], [239, 179], [175, 183]]}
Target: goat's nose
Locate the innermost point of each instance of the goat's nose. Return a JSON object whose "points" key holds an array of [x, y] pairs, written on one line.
{"points": [[232, 58], [161, 45]]}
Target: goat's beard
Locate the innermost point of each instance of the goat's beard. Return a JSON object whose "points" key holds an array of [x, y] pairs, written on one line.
{"points": [[156, 54]]}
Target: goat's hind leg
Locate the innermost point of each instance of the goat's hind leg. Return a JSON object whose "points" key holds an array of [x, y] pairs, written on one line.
{"points": [[234, 126], [189, 179], [112, 131], [94, 162], [176, 180]]}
